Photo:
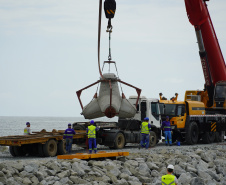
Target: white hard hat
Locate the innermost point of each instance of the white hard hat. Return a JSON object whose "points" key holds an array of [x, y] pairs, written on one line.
{"points": [[170, 166]]}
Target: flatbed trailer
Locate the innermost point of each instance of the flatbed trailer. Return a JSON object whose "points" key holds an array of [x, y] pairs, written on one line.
{"points": [[43, 144]]}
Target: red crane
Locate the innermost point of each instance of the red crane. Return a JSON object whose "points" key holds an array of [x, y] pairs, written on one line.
{"points": [[212, 59]]}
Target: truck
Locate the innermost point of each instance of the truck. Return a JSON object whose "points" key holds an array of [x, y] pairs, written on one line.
{"points": [[127, 130], [202, 114]]}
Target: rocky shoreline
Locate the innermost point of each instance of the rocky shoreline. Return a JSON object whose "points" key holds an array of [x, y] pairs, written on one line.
{"points": [[194, 165]]}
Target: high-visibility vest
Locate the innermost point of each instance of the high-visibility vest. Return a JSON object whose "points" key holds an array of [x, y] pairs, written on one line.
{"points": [[168, 180], [91, 131], [26, 131], [144, 128]]}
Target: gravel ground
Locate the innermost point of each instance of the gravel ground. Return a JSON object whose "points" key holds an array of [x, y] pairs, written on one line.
{"points": [[202, 164]]}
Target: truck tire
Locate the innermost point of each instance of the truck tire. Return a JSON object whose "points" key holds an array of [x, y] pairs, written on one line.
{"points": [[192, 133], [11, 151], [50, 148], [119, 141], [61, 148], [19, 150], [208, 137], [152, 139], [219, 137]]}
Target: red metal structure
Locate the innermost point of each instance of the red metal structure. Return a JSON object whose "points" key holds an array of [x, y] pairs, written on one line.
{"points": [[212, 60]]}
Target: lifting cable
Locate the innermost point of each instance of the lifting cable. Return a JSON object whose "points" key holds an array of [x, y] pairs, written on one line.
{"points": [[109, 8]]}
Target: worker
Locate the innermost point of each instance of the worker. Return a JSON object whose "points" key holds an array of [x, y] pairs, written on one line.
{"points": [[91, 132], [167, 131], [145, 129], [169, 179], [27, 129], [68, 135]]}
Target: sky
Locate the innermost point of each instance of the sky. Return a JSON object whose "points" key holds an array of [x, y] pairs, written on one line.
{"points": [[48, 51]]}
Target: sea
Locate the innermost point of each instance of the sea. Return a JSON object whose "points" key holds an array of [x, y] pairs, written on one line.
{"points": [[14, 125]]}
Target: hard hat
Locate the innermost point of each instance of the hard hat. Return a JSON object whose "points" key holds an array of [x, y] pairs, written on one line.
{"points": [[170, 166], [27, 123], [146, 119], [69, 124], [91, 122], [167, 117]]}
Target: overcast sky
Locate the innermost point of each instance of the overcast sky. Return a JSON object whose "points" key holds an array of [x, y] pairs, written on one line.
{"points": [[48, 51]]}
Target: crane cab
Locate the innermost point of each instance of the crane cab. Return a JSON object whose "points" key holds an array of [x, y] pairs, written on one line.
{"points": [[220, 95]]}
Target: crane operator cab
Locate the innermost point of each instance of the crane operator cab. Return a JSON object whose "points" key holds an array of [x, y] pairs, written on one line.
{"points": [[220, 95]]}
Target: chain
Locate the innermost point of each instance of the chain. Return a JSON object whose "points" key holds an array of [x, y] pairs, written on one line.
{"points": [[109, 30]]}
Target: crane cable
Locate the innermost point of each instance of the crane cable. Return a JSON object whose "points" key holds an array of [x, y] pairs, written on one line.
{"points": [[109, 8], [99, 33]]}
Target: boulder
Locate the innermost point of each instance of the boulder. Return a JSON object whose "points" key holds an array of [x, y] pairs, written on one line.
{"points": [[155, 173], [76, 167], [197, 181], [64, 174], [178, 170], [152, 166], [184, 178], [213, 175], [26, 181], [204, 175]]}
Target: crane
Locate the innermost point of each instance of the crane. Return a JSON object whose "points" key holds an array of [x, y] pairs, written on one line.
{"points": [[212, 60]]}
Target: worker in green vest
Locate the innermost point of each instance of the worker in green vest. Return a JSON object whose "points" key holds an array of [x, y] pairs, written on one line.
{"points": [[169, 179], [145, 129], [91, 132]]}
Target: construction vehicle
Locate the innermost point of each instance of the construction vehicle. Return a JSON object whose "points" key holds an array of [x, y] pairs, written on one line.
{"points": [[43, 144], [127, 130], [202, 114]]}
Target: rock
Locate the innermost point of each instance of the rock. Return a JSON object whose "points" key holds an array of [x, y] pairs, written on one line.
{"points": [[126, 171], [115, 171], [203, 175], [112, 177], [57, 183], [18, 165], [155, 173], [35, 180], [191, 169], [140, 160], [2, 177], [26, 181], [197, 181], [206, 158], [213, 175], [2, 166], [134, 183], [51, 172], [121, 182], [152, 166], [131, 163], [76, 167], [64, 180], [124, 176], [53, 165], [184, 178], [78, 180], [143, 169], [85, 168], [178, 170], [43, 182], [203, 166], [64, 174], [133, 178], [144, 179], [40, 176]]}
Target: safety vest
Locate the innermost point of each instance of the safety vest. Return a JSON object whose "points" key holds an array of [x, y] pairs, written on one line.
{"points": [[26, 131], [91, 131], [144, 128], [168, 179]]}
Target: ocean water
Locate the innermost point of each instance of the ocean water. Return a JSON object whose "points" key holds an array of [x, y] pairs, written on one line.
{"points": [[12, 125], [16, 125]]}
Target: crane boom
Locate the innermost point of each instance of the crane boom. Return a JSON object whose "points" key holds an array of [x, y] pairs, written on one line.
{"points": [[212, 60], [199, 16]]}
